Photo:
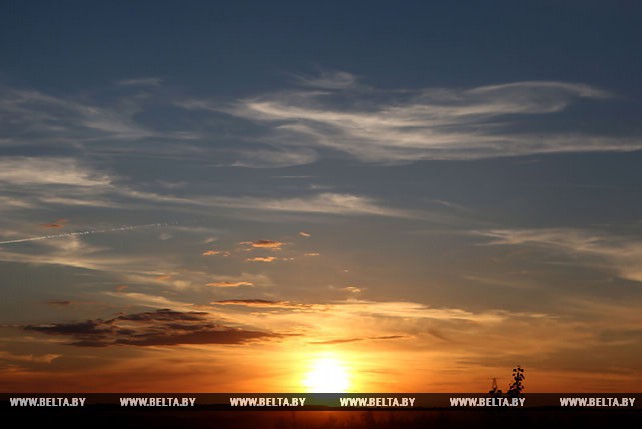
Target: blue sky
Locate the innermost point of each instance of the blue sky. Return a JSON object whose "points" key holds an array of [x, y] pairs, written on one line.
{"points": [[439, 177]]}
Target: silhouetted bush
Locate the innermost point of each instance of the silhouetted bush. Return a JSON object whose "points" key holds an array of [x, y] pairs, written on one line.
{"points": [[517, 387]]}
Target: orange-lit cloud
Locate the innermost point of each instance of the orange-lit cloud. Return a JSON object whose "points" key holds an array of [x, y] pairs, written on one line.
{"points": [[312, 254], [263, 259], [304, 234], [60, 223], [47, 358], [215, 252], [261, 303], [230, 284], [264, 244], [353, 340], [267, 259]]}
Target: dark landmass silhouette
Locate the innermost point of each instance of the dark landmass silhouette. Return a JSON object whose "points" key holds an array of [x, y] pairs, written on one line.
{"points": [[114, 417]]}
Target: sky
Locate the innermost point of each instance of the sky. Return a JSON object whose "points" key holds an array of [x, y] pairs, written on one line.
{"points": [[283, 196]]}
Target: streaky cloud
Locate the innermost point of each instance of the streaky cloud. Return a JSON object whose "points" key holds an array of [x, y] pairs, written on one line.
{"points": [[162, 327], [622, 255], [407, 125]]}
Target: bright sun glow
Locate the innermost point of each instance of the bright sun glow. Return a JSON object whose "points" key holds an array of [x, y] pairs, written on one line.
{"points": [[327, 375]]}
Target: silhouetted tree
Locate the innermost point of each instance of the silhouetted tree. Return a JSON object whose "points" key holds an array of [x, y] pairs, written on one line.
{"points": [[516, 387]]}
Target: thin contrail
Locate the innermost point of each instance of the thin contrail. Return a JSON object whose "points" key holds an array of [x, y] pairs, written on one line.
{"points": [[71, 234]]}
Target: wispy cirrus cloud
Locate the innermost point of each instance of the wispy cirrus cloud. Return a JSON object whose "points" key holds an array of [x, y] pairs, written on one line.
{"points": [[617, 253], [230, 284], [411, 312], [33, 117], [55, 181], [330, 112], [39, 182], [389, 126], [274, 158], [63, 171], [328, 80], [326, 202], [353, 340], [30, 358], [68, 251]]}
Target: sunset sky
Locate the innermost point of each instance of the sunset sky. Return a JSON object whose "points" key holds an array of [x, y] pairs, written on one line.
{"points": [[293, 196]]}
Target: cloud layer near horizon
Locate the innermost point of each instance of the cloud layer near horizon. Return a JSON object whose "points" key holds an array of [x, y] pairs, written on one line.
{"points": [[154, 328]]}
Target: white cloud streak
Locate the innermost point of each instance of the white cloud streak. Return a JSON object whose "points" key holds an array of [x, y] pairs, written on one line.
{"points": [[73, 234], [331, 112], [328, 203], [48, 171], [29, 182], [408, 125], [30, 117], [35, 116], [622, 255]]}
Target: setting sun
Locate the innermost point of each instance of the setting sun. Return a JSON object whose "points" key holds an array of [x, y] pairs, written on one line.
{"points": [[327, 375]]}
